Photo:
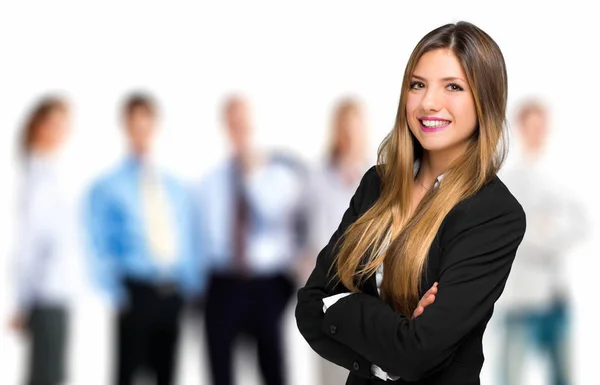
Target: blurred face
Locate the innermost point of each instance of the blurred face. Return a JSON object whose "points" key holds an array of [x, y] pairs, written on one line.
{"points": [[533, 130], [440, 107], [53, 131], [140, 127], [350, 134], [237, 120]]}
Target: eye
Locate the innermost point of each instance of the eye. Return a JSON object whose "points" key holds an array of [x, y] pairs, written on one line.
{"points": [[416, 85], [454, 87]]}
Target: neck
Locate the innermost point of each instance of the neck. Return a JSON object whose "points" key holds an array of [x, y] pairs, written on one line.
{"points": [[140, 158], [43, 151], [435, 163], [348, 161], [532, 154]]}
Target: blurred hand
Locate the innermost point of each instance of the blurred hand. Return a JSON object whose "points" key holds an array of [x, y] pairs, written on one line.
{"points": [[302, 267], [17, 323], [427, 299]]}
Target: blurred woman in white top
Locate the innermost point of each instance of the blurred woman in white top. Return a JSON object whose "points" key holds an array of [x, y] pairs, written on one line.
{"points": [[535, 306], [42, 248], [332, 183]]}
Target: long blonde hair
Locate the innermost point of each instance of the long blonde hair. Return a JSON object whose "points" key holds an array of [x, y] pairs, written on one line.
{"points": [[361, 248]]}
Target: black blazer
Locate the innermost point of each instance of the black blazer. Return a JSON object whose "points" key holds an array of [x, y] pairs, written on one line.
{"points": [[471, 257]]}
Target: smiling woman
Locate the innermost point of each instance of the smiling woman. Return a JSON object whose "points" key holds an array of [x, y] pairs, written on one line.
{"points": [[432, 210]]}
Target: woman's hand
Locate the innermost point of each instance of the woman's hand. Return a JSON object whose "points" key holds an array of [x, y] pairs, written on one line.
{"points": [[17, 323], [427, 299]]}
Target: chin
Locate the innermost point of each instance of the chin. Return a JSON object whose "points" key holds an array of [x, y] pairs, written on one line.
{"points": [[435, 145]]}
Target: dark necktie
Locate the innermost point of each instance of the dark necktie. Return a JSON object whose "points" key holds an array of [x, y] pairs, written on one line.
{"points": [[241, 222]]}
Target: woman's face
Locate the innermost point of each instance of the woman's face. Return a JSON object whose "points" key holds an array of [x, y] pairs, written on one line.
{"points": [[350, 133], [440, 107], [534, 130], [53, 131]]}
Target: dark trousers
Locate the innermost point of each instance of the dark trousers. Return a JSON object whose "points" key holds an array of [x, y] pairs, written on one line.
{"points": [[47, 327], [546, 330], [251, 306], [147, 333]]}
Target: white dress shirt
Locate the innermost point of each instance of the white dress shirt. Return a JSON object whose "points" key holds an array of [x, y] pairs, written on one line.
{"points": [[45, 237], [555, 224], [274, 191]]}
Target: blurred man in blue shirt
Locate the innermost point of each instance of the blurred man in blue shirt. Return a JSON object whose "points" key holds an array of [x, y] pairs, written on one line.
{"points": [[141, 232], [249, 209]]}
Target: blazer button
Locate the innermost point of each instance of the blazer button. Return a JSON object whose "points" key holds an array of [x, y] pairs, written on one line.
{"points": [[332, 329], [356, 366]]}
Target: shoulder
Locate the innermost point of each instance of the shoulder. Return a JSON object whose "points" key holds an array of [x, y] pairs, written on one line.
{"points": [[494, 197], [493, 202], [213, 184], [108, 181], [368, 190], [371, 178], [371, 181], [290, 162], [214, 175], [177, 185]]}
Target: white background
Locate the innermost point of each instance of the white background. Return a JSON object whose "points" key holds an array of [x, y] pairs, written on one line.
{"points": [[293, 60]]}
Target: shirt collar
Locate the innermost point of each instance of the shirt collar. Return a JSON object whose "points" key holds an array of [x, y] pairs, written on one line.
{"points": [[417, 166]]}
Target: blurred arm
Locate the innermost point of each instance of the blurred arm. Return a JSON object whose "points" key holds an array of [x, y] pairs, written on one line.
{"points": [[103, 220], [195, 262], [30, 249]]}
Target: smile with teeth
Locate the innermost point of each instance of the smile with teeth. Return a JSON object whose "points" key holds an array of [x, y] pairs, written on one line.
{"points": [[435, 123]]}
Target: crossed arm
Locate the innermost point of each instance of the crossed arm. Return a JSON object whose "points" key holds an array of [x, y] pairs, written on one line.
{"points": [[360, 329]]}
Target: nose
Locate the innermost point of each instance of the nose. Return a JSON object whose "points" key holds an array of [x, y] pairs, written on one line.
{"points": [[431, 100]]}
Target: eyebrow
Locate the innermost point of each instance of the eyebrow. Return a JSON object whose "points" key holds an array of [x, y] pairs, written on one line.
{"points": [[447, 79]]}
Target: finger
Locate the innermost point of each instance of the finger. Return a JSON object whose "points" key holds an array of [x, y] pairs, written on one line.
{"points": [[429, 293], [428, 300], [432, 289], [418, 311], [425, 296]]}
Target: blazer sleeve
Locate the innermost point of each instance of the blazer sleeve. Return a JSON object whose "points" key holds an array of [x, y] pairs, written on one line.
{"points": [[479, 246], [309, 308]]}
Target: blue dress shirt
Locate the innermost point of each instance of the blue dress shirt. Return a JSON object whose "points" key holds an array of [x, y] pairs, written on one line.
{"points": [[118, 240]]}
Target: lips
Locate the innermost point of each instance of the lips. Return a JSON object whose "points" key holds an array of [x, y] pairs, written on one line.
{"points": [[433, 124]]}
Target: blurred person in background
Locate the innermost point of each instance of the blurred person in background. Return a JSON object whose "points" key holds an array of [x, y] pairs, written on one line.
{"points": [[249, 210], [332, 183], [140, 224], [45, 233], [535, 306]]}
